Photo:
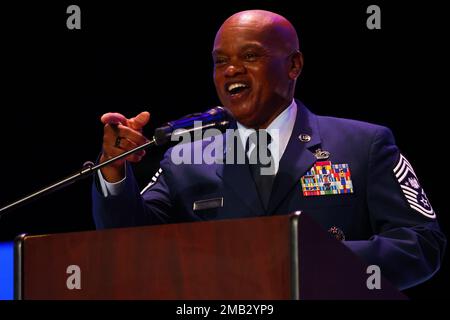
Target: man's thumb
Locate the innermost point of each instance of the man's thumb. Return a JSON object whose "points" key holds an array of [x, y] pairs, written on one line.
{"points": [[138, 122]]}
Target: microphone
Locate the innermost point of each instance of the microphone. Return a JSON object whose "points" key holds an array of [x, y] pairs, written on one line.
{"points": [[217, 117]]}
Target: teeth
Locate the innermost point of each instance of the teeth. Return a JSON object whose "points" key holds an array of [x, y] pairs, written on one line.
{"points": [[236, 85]]}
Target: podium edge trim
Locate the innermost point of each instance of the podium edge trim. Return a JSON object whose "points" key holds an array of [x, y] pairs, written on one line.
{"points": [[295, 276], [19, 242]]}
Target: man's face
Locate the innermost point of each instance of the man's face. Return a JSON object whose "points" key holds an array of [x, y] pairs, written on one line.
{"points": [[251, 73]]}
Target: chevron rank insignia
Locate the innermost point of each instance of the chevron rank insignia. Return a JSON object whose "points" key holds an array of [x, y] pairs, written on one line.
{"points": [[325, 178], [413, 192]]}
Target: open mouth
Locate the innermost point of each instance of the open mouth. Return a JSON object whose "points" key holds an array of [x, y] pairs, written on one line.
{"points": [[236, 88]]}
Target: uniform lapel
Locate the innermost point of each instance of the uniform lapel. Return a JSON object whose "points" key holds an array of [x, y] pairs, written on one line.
{"points": [[297, 158]]}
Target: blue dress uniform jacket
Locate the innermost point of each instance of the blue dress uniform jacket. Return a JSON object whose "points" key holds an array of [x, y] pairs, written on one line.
{"points": [[382, 223]]}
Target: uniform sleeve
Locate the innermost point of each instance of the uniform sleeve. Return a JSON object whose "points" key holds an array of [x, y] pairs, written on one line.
{"points": [[129, 207], [407, 245]]}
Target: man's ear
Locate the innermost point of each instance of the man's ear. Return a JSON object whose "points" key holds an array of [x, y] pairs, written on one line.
{"points": [[296, 65]]}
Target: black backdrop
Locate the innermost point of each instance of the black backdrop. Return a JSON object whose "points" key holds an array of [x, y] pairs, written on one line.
{"points": [[129, 57]]}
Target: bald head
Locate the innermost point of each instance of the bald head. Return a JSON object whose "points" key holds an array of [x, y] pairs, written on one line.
{"points": [[256, 65], [277, 28]]}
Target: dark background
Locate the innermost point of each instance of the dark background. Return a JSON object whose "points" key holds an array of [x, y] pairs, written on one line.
{"points": [[129, 57]]}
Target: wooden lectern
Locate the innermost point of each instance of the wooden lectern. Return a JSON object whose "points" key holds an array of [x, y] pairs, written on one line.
{"points": [[278, 257]]}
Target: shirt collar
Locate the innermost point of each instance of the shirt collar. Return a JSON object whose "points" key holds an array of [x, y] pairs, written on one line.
{"points": [[284, 123]]}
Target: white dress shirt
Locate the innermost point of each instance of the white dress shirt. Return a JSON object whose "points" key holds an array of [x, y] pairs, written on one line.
{"points": [[280, 129]]}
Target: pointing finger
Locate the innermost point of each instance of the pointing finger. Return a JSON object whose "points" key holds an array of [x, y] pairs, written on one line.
{"points": [[138, 122]]}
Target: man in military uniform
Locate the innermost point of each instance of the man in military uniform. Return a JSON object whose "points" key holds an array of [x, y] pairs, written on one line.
{"points": [[348, 175]]}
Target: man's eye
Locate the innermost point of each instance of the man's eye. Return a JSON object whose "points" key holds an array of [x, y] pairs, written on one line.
{"points": [[219, 60], [250, 56]]}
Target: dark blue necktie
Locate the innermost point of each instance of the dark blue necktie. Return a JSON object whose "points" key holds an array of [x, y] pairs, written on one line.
{"points": [[261, 164]]}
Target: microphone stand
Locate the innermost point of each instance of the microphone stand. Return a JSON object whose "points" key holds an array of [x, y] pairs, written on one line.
{"points": [[88, 169], [162, 135]]}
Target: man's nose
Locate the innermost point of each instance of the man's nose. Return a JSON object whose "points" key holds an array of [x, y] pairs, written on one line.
{"points": [[234, 69]]}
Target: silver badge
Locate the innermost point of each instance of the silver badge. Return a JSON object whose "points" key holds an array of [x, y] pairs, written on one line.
{"points": [[321, 154], [304, 137]]}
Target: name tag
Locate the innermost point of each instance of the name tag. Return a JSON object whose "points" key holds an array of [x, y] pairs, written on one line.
{"points": [[208, 204]]}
